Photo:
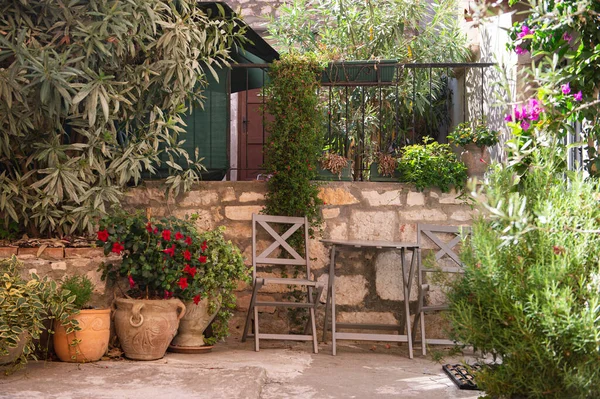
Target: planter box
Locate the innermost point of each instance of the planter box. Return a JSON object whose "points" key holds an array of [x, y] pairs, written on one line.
{"points": [[326, 175], [375, 176]]}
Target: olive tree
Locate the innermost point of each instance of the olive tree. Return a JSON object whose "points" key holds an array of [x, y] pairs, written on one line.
{"points": [[91, 98]]}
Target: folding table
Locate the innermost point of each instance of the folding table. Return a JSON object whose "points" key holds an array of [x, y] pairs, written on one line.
{"points": [[407, 278]]}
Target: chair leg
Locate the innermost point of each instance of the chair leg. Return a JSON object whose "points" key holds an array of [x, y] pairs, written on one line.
{"points": [[250, 311]]}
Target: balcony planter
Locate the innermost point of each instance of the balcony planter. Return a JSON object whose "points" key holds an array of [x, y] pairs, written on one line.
{"points": [[374, 174], [327, 175]]}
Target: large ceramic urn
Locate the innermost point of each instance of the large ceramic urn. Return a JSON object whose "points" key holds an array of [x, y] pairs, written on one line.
{"points": [[196, 320], [145, 327]]}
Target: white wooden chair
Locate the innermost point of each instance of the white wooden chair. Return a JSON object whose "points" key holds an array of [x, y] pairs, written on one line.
{"points": [[445, 250], [313, 288]]}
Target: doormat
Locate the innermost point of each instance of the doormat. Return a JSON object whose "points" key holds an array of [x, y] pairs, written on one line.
{"points": [[461, 375]]}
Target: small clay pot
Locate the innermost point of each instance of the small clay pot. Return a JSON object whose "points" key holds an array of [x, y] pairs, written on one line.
{"points": [[476, 159], [87, 345]]}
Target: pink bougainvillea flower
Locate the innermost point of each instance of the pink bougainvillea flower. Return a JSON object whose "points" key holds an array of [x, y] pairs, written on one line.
{"points": [[117, 247], [525, 125], [508, 118], [197, 299], [168, 294], [567, 37], [166, 235], [149, 227], [534, 109], [204, 246], [578, 96], [183, 283], [131, 282], [188, 240], [187, 255], [178, 236], [103, 235], [566, 88], [520, 50], [525, 31], [170, 251], [202, 259]]}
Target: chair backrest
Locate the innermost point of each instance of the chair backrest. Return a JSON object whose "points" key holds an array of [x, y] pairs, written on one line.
{"points": [[266, 223], [445, 248]]}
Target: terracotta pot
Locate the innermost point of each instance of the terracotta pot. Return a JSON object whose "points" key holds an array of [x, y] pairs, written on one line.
{"points": [[145, 327], [14, 353], [193, 324], [477, 160], [92, 338]]}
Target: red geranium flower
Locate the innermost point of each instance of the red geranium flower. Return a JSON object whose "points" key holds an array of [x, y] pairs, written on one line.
{"points": [[155, 231], [188, 240], [183, 283], [170, 251], [118, 247], [103, 235], [149, 227], [204, 246], [190, 270], [166, 235], [202, 259], [168, 294], [187, 255], [197, 299], [131, 282], [178, 236]]}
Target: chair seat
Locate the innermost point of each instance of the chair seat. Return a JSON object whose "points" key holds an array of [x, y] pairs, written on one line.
{"points": [[289, 281]]}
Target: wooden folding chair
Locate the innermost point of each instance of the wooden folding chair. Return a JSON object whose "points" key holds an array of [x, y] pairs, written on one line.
{"points": [[314, 288], [445, 249]]}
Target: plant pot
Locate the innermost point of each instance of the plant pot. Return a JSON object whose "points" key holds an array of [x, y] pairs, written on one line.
{"points": [[193, 323], [145, 327], [14, 353], [92, 339], [476, 159], [327, 175], [374, 174]]}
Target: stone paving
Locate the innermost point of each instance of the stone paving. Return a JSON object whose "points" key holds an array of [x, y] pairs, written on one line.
{"points": [[234, 370]]}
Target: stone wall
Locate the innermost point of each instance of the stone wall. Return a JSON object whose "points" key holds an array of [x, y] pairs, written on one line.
{"points": [[368, 283]]}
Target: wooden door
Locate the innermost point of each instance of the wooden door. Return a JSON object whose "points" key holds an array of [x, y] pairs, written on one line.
{"points": [[252, 134]]}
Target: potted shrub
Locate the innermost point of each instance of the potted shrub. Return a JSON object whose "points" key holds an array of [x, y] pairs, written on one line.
{"points": [[209, 295], [25, 306], [335, 167], [385, 168], [431, 165], [474, 139], [90, 342]]}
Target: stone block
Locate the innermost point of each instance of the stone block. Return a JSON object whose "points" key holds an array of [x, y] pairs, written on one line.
{"points": [[375, 198], [84, 253], [336, 196], [243, 303], [461, 216], [79, 263], [47, 253], [96, 279], [323, 278], [369, 225], [367, 318], [388, 276], [350, 290], [199, 198], [7, 252], [228, 195], [450, 198], [252, 197], [330, 213], [319, 254], [32, 271], [58, 265], [338, 231], [239, 231], [415, 199], [423, 215], [408, 232], [243, 212]]}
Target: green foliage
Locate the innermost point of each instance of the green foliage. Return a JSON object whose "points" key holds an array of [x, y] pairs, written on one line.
{"points": [[475, 132], [431, 165], [91, 97], [169, 258], [80, 286], [531, 290], [25, 305], [294, 143]]}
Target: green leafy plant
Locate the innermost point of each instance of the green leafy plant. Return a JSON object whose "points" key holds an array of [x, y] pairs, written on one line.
{"points": [[169, 258], [80, 286], [475, 132], [530, 295], [431, 165], [91, 97], [25, 306]]}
